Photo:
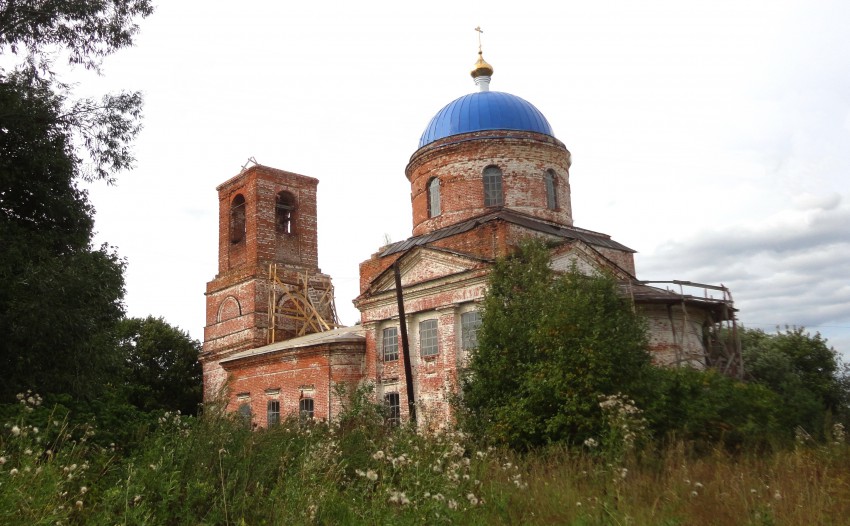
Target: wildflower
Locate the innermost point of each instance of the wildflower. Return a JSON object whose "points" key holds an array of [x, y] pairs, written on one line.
{"points": [[137, 499], [398, 497], [473, 500], [19, 396], [452, 504], [28, 451], [13, 471], [84, 490], [777, 495], [2, 460], [372, 475], [694, 494], [591, 443], [16, 430], [378, 455], [35, 430], [360, 472], [753, 491], [79, 504], [698, 485]]}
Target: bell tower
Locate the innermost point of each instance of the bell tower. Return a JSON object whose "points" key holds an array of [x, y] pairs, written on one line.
{"points": [[269, 286]]}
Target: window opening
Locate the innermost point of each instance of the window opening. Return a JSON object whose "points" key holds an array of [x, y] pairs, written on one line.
{"points": [[434, 197], [305, 407], [470, 322], [392, 402], [273, 413], [245, 412], [237, 219], [551, 187], [493, 195], [284, 207], [389, 344], [428, 338]]}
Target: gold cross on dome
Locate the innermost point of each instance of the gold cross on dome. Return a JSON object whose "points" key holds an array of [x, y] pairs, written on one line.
{"points": [[480, 31]]}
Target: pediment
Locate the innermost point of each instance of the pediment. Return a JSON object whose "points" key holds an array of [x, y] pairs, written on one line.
{"points": [[425, 264], [586, 259]]}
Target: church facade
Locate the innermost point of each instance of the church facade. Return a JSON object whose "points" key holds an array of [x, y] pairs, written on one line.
{"points": [[488, 173]]}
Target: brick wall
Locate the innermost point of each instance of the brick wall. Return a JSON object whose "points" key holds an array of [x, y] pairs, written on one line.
{"points": [[459, 163]]}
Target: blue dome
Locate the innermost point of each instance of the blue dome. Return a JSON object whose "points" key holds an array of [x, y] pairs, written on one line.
{"points": [[485, 110]]}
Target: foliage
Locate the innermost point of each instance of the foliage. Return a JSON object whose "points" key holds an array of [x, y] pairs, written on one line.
{"points": [[802, 370], [213, 470], [549, 346], [61, 298], [88, 31], [707, 408], [162, 368]]}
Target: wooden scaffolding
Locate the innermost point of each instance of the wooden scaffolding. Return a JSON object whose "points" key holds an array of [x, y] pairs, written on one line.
{"points": [[298, 309]]}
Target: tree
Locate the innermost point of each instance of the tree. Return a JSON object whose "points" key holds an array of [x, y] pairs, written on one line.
{"points": [[549, 347], [60, 298], [802, 369], [162, 368]]}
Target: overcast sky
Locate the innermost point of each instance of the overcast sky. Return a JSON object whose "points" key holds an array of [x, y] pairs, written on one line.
{"points": [[712, 139]]}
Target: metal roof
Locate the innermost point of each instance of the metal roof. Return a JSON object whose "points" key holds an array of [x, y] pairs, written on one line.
{"points": [[510, 216], [485, 110], [342, 334]]}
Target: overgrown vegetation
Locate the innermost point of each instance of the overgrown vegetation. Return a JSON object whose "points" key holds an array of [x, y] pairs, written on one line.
{"points": [[214, 470]]}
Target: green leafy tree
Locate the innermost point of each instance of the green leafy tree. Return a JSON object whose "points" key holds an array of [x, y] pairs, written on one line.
{"points": [[162, 368], [802, 369], [60, 298], [550, 345]]}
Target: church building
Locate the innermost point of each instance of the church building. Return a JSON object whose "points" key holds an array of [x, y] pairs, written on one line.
{"points": [[488, 173]]}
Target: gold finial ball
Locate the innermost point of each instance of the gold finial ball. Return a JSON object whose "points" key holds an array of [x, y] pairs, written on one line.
{"points": [[481, 68]]}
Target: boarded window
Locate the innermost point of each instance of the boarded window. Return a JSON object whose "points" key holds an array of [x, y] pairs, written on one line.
{"points": [[433, 197], [389, 344], [551, 190], [428, 338], [493, 195], [237, 219]]}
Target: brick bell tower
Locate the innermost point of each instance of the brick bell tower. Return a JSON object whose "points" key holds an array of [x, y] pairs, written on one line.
{"points": [[269, 286]]}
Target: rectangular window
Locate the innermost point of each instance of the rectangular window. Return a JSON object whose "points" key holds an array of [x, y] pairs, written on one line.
{"points": [[272, 413], [429, 338], [470, 322], [393, 403], [389, 344], [305, 408]]}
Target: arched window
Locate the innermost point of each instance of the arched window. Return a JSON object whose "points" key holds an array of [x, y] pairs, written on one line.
{"points": [[493, 195], [284, 207], [551, 189], [237, 219], [434, 197]]}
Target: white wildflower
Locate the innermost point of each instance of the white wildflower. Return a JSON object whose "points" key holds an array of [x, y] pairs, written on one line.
{"points": [[473, 500], [13, 471], [378, 455], [16, 430], [372, 475]]}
